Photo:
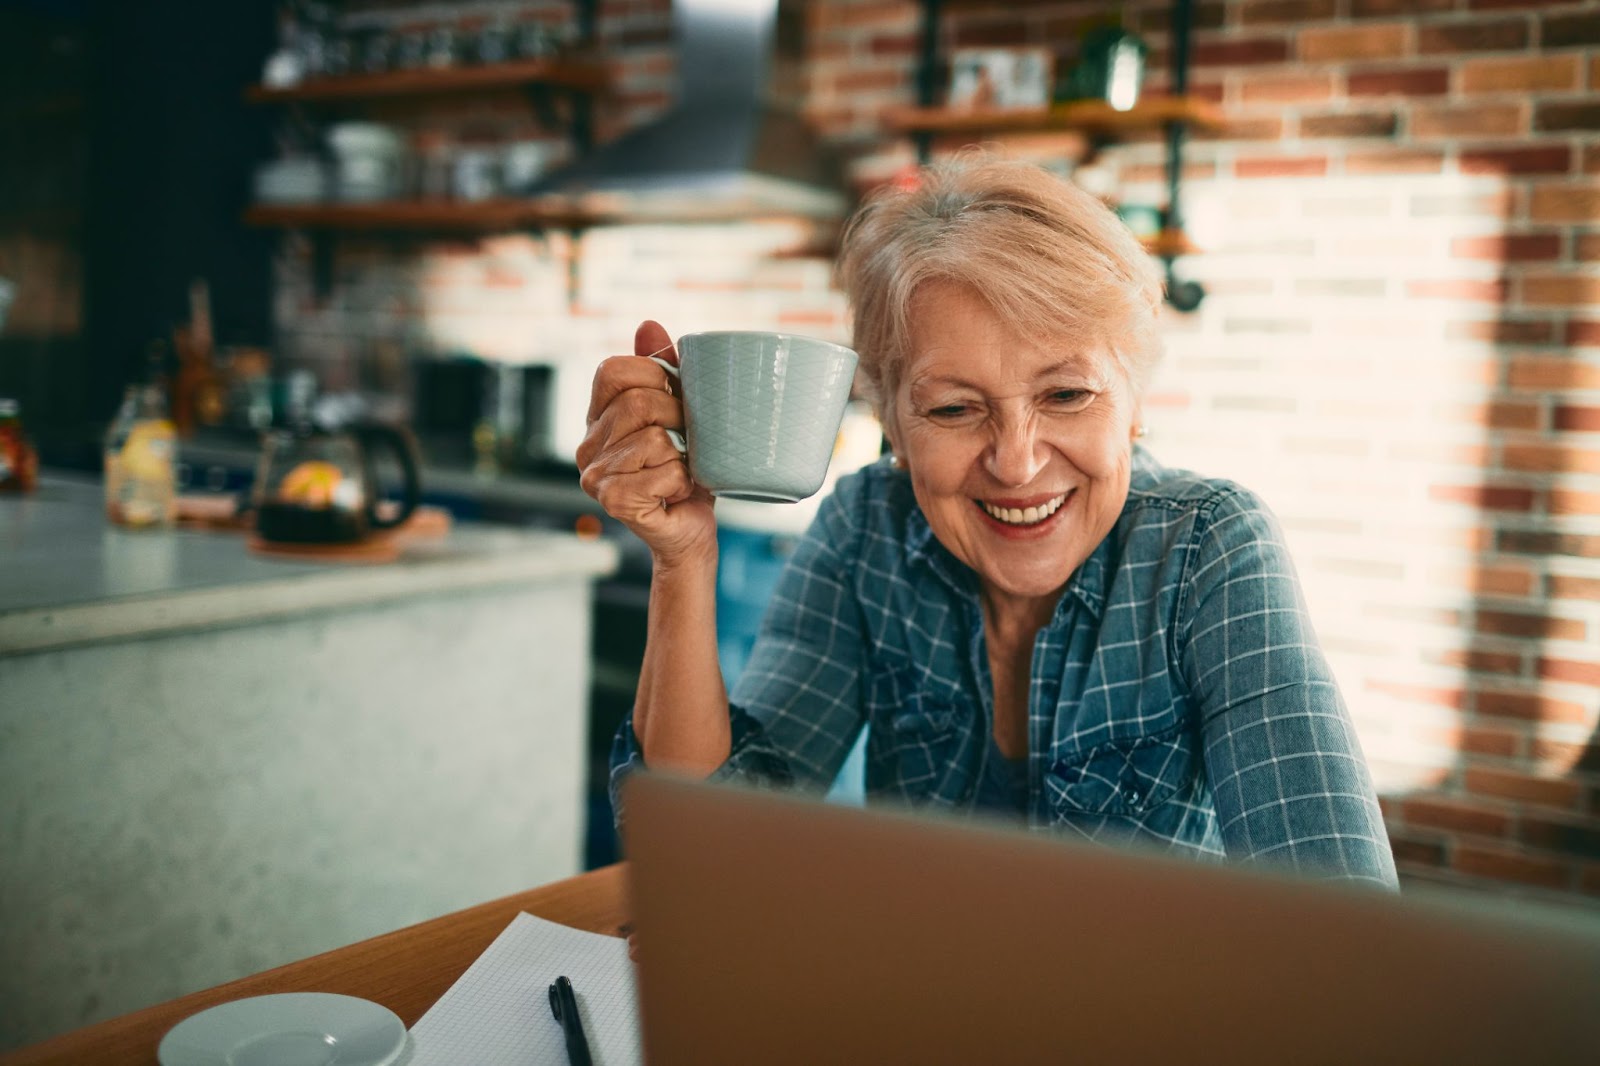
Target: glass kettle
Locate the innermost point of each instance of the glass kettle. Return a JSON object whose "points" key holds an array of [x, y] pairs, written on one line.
{"points": [[320, 486]]}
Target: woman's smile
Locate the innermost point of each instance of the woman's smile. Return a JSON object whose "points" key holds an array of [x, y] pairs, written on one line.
{"points": [[1033, 515]]}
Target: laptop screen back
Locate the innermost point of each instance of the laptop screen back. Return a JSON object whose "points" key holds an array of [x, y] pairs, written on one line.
{"points": [[778, 930]]}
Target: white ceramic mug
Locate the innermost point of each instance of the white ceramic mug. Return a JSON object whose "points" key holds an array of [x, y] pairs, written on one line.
{"points": [[761, 411]]}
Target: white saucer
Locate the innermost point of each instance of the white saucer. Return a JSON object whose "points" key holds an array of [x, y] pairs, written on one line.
{"points": [[290, 1029]]}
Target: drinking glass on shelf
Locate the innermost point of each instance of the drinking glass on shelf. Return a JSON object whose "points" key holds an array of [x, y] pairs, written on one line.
{"points": [[431, 150], [477, 173], [525, 162], [441, 47], [338, 56], [534, 40], [410, 50], [563, 37], [316, 31], [494, 41], [374, 52]]}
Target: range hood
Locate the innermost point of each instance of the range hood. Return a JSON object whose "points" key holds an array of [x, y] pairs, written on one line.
{"points": [[728, 149]]}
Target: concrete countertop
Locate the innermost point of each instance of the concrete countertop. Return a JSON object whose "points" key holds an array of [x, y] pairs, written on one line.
{"points": [[68, 577]]}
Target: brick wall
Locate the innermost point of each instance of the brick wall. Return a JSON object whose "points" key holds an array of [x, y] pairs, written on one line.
{"points": [[1398, 353], [1400, 350]]}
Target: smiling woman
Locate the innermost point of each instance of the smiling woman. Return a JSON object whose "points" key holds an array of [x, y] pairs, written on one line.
{"points": [[1032, 615]]}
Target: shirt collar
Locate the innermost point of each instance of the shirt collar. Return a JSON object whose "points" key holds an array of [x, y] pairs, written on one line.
{"points": [[1087, 584], [923, 548]]}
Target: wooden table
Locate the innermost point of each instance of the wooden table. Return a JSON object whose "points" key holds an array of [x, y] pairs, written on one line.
{"points": [[406, 971]]}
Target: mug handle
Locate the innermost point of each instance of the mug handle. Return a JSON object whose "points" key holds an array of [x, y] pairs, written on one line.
{"points": [[404, 448], [673, 435]]}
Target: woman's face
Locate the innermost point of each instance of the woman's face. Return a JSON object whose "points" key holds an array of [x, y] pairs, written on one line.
{"points": [[1018, 448]]}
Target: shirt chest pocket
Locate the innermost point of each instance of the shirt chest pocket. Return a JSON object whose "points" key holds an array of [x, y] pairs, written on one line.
{"points": [[1128, 778], [916, 735]]}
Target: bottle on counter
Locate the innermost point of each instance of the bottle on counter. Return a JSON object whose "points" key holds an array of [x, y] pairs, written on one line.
{"points": [[19, 463], [198, 392], [141, 468]]}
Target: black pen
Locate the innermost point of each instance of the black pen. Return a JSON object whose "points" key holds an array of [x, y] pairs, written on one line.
{"points": [[564, 1005]]}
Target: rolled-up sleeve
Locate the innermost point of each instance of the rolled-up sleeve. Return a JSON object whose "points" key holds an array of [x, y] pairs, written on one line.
{"points": [[796, 708], [1291, 785]]}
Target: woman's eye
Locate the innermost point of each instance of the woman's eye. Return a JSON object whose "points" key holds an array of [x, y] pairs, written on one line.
{"points": [[948, 411], [1069, 397]]}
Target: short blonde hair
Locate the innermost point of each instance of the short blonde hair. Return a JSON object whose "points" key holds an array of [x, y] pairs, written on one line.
{"points": [[1050, 259]]}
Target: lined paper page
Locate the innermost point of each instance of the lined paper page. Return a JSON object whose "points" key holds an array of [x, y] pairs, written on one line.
{"points": [[498, 1013]]}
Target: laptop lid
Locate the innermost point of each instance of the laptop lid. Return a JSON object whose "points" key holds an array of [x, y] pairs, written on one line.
{"points": [[778, 930]]}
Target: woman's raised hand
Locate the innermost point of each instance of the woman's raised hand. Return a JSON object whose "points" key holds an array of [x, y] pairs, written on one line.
{"points": [[629, 464]]}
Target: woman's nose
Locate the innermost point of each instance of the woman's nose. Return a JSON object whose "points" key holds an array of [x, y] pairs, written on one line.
{"points": [[1017, 454]]}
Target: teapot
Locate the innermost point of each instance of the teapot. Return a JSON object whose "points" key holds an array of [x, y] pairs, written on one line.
{"points": [[319, 486]]}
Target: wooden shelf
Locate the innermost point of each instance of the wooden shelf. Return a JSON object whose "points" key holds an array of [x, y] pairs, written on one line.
{"points": [[423, 215], [1169, 242], [588, 75], [1089, 116], [572, 211]]}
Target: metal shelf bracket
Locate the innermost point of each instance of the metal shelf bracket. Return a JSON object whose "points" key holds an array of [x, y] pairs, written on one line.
{"points": [[1184, 296]]}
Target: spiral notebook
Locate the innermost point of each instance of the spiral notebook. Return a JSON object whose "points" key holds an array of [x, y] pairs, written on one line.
{"points": [[498, 1012]]}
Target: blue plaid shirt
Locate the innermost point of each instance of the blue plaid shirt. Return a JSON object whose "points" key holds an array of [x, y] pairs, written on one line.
{"points": [[1178, 695]]}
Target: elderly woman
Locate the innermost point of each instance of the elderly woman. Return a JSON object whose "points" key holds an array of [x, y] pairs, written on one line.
{"points": [[1031, 614]]}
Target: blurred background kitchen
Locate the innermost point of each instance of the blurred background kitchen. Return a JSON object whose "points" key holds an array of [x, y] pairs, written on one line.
{"points": [[1380, 223]]}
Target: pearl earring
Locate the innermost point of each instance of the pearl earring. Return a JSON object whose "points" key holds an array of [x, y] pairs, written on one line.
{"points": [[894, 461]]}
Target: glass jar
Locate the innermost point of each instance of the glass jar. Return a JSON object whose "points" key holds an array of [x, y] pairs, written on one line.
{"points": [[19, 463], [140, 462]]}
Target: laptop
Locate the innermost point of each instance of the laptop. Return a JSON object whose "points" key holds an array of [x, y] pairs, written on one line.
{"points": [[775, 930]]}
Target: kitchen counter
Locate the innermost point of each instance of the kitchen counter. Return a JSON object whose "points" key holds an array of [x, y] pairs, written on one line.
{"points": [[67, 577], [214, 762]]}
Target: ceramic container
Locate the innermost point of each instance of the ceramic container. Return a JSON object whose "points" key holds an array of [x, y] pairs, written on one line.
{"points": [[762, 411]]}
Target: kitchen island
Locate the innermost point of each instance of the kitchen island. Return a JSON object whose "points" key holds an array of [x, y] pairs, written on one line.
{"points": [[214, 762]]}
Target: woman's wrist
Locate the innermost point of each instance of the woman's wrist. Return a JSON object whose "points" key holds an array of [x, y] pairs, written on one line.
{"points": [[686, 564]]}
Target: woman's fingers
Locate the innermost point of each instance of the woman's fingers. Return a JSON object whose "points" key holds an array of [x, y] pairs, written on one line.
{"points": [[619, 374], [635, 477], [627, 461], [629, 453], [628, 412]]}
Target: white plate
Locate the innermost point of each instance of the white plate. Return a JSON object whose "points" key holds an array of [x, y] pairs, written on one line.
{"points": [[290, 1029]]}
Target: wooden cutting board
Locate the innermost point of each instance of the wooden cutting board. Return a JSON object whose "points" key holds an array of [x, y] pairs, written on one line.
{"points": [[383, 546]]}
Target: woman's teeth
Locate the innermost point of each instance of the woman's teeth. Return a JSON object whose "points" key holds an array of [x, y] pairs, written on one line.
{"points": [[1025, 516]]}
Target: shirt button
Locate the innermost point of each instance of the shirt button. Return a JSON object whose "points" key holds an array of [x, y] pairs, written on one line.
{"points": [[1131, 795]]}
